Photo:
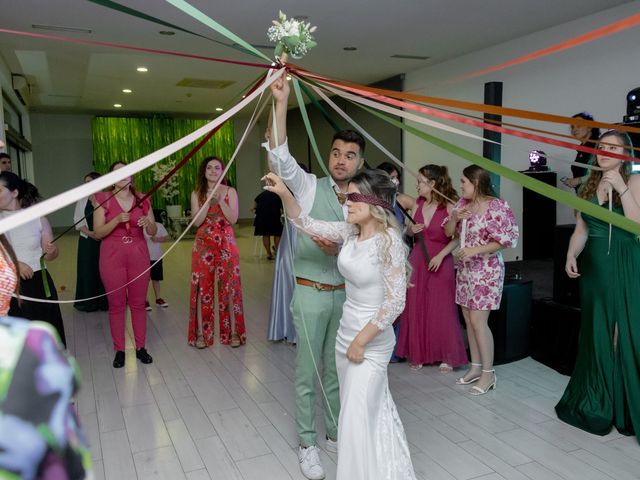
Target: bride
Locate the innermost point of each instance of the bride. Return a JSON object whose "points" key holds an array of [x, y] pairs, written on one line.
{"points": [[371, 439]]}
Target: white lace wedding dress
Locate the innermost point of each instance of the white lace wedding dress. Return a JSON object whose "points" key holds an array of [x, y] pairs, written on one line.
{"points": [[371, 440]]}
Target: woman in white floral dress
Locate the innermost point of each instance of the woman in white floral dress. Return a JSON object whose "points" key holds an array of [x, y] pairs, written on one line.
{"points": [[373, 261], [485, 225]]}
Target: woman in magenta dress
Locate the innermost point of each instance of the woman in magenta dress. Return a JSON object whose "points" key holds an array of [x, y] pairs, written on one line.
{"points": [[485, 225], [124, 255], [215, 258], [430, 330]]}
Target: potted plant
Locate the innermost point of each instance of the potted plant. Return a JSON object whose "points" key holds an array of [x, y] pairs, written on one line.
{"points": [[169, 189]]}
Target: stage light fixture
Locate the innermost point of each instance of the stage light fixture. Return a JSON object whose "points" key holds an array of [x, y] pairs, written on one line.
{"points": [[537, 161]]}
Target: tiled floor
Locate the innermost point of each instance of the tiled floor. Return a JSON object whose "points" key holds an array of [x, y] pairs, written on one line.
{"points": [[225, 413]]}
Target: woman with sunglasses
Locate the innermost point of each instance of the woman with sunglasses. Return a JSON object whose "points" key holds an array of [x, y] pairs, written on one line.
{"points": [[124, 255], [373, 261]]}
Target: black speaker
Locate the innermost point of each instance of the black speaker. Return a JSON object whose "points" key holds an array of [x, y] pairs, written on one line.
{"points": [[510, 324], [565, 290], [555, 329], [538, 219]]}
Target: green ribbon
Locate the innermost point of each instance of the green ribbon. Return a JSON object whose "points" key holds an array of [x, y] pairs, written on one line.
{"points": [[525, 181], [209, 22], [136, 13], [307, 125], [320, 108]]}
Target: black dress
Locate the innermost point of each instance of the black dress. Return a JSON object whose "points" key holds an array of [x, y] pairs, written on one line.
{"points": [[584, 158], [267, 221]]}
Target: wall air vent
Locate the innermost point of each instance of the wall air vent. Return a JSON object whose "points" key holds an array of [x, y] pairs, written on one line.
{"points": [[60, 28], [409, 57]]}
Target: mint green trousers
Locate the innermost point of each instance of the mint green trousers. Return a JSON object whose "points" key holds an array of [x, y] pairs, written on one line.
{"points": [[316, 317]]}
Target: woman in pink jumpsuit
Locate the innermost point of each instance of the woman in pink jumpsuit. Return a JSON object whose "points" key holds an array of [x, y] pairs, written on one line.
{"points": [[123, 256]]}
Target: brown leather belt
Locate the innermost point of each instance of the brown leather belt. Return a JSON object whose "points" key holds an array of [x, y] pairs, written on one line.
{"points": [[321, 287]]}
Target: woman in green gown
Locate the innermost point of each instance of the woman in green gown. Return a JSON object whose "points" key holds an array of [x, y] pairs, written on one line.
{"points": [[604, 390], [88, 282]]}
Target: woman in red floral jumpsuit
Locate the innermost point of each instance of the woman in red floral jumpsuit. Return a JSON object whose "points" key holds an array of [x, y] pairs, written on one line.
{"points": [[215, 258]]}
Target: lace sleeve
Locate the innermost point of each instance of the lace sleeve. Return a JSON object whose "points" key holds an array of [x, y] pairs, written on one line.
{"points": [[394, 277], [334, 231]]}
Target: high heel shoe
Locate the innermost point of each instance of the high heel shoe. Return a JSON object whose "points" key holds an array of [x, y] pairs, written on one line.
{"points": [[476, 390], [462, 381]]}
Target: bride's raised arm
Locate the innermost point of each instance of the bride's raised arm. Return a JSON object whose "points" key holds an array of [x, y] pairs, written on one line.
{"points": [[336, 232]]}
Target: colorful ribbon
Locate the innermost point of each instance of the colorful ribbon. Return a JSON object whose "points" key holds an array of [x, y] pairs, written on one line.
{"points": [[525, 181], [130, 47], [459, 104], [71, 196]]}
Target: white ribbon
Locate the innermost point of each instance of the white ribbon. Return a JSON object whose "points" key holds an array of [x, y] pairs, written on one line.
{"points": [[256, 114], [71, 196]]}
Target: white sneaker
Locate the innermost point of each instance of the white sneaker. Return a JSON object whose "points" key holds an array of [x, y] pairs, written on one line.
{"points": [[331, 445], [310, 464]]}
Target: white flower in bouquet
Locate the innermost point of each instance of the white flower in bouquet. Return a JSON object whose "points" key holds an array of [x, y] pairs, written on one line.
{"points": [[291, 36], [169, 189]]}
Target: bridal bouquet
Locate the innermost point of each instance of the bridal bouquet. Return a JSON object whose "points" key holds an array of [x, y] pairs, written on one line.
{"points": [[291, 36]]}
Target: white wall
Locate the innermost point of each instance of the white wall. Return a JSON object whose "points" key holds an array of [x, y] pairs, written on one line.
{"points": [[62, 156], [6, 88], [594, 77]]}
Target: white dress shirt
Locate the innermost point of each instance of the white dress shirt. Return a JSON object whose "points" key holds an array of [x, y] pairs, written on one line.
{"points": [[302, 184]]}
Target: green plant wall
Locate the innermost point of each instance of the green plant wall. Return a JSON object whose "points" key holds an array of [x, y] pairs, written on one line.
{"points": [[117, 139]]}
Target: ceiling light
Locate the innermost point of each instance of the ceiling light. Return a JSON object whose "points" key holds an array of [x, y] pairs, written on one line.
{"points": [[350, 49], [117, 105], [59, 28], [219, 109], [127, 90], [288, 77], [166, 32], [142, 69]]}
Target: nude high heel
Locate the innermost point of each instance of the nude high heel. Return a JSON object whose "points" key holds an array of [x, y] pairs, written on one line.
{"points": [[476, 390], [462, 381]]}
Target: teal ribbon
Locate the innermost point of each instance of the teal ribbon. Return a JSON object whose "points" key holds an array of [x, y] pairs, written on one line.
{"points": [[525, 181], [209, 22], [307, 125], [136, 13], [320, 108]]}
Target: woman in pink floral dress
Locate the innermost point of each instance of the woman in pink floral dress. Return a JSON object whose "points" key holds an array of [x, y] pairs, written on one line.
{"points": [[485, 225], [215, 258]]}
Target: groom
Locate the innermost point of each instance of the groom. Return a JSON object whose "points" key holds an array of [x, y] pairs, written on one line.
{"points": [[319, 293]]}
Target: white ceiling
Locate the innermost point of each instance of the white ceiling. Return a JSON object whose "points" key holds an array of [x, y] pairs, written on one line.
{"points": [[83, 78]]}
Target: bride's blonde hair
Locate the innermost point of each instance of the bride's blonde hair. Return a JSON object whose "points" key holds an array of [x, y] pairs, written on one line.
{"points": [[378, 183]]}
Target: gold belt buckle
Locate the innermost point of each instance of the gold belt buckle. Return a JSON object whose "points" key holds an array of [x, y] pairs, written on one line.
{"points": [[318, 286]]}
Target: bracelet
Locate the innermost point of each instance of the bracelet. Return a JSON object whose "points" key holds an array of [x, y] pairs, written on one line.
{"points": [[624, 192]]}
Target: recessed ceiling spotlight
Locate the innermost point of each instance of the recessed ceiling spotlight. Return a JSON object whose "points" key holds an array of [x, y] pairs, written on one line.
{"points": [[117, 105], [127, 90], [350, 49], [166, 32], [301, 18], [142, 69], [219, 109], [288, 77]]}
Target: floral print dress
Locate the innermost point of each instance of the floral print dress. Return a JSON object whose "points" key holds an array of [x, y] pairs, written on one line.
{"points": [[480, 279], [215, 257]]}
